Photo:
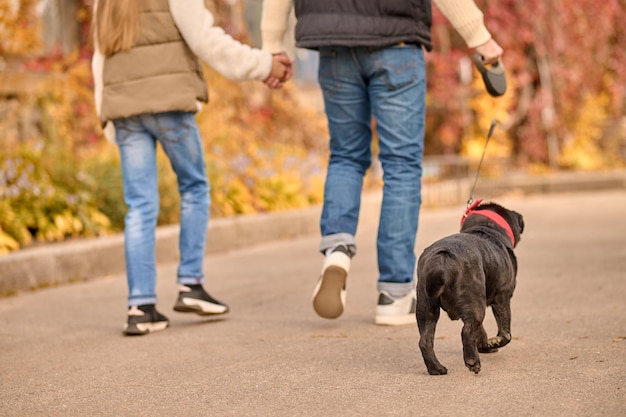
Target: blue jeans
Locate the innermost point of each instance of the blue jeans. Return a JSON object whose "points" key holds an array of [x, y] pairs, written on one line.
{"points": [[137, 138], [390, 85]]}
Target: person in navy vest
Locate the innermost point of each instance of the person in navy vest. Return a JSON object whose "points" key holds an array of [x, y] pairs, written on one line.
{"points": [[371, 65]]}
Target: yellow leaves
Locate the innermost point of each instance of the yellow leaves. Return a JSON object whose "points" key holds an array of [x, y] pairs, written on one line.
{"points": [[315, 187], [15, 233], [282, 192], [485, 109], [99, 219], [230, 197], [254, 179], [46, 198], [297, 182], [83, 14], [7, 243], [20, 32], [582, 150], [84, 222], [64, 224]]}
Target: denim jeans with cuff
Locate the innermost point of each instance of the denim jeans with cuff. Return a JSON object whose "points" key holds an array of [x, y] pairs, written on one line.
{"points": [[137, 138], [388, 84]]}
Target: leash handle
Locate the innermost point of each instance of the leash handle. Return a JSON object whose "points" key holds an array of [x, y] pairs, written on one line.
{"points": [[494, 77]]}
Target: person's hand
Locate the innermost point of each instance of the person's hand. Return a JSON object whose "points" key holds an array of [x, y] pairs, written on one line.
{"points": [[283, 58], [490, 51], [273, 82], [281, 70]]}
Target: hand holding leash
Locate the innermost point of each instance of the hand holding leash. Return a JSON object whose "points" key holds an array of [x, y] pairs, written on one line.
{"points": [[493, 77]]}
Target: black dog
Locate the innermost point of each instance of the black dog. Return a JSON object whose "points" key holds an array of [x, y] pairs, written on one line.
{"points": [[463, 274]]}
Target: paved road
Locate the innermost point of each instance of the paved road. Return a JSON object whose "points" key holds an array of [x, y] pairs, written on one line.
{"points": [[62, 352]]}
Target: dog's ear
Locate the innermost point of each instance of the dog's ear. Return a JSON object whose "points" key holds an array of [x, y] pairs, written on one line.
{"points": [[520, 221], [518, 226]]}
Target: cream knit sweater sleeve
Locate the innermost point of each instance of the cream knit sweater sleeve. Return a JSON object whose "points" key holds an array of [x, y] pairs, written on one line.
{"points": [[274, 24], [467, 19], [464, 16]]}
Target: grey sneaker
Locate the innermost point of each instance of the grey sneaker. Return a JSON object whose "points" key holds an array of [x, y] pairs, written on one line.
{"points": [[144, 319], [329, 296], [193, 299], [392, 312]]}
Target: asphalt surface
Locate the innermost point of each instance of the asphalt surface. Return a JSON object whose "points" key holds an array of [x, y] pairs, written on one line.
{"points": [[62, 351]]}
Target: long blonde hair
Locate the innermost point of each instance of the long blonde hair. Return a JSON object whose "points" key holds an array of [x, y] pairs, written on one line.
{"points": [[116, 24]]}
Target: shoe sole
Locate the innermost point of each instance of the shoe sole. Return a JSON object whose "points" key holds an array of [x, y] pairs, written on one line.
{"points": [[200, 307], [401, 320], [328, 302], [144, 328]]}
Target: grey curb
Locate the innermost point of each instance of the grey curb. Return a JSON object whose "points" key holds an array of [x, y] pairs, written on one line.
{"points": [[85, 259]]}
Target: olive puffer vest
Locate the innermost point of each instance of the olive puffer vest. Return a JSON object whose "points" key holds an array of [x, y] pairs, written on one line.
{"points": [[370, 23], [160, 73]]}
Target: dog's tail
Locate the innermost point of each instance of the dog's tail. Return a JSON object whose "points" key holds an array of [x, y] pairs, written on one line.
{"points": [[438, 270]]}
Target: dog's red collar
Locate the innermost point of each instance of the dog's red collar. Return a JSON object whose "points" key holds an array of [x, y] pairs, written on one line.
{"points": [[490, 215]]}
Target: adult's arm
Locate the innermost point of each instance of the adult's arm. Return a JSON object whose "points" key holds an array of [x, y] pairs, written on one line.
{"points": [[274, 18], [467, 19]]}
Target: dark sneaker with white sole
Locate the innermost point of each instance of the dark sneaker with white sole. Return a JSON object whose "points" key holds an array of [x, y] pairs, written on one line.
{"points": [[193, 299], [144, 319], [396, 312]]}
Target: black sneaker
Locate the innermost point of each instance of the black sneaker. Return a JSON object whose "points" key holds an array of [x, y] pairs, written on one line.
{"points": [[145, 319], [193, 299]]}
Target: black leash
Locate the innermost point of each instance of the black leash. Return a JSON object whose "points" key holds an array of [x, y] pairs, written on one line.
{"points": [[491, 129], [495, 83]]}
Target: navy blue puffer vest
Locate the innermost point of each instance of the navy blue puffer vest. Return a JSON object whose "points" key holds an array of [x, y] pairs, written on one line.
{"points": [[369, 23]]}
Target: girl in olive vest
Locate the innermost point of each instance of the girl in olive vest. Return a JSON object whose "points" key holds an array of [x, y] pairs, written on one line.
{"points": [[148, 86]]}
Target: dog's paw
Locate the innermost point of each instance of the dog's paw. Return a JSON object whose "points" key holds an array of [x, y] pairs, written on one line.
{"points": [[437, 370], [487, 349], [496, 342], [473, 365]]}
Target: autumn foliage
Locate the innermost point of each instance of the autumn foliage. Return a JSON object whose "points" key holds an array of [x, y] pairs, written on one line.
{"points": [[564, 109], [565, 65]]}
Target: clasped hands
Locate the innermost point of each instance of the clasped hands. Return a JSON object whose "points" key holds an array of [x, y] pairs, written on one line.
{"points": [[282, 70]]}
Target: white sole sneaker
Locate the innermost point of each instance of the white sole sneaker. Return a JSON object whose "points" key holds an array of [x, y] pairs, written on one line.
{"points": [[145, 328], [329, 296], [391, 312], [197, 300], [201, 307], [143, 320]]}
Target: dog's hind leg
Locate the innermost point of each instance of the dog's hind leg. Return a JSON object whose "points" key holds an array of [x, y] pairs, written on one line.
{"points": [[501, 308], [427, 317], [472, 324], [482, 341]]}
